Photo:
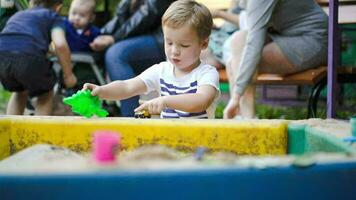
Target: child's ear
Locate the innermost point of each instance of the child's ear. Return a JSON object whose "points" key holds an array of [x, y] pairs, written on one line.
{"points": [[204, 43]]}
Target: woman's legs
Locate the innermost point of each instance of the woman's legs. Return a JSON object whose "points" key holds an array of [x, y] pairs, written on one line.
{"points": [[128, 58], [247, 107], [207, 57], [272, 61], [237, 45]]}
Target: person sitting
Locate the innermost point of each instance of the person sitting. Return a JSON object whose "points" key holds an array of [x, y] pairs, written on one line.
{"points": [[187, 87], [80, 31], [283, 37], [135, 40], [218, 52]]}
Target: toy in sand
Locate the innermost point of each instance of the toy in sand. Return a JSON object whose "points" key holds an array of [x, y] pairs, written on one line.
{"points": [[85, 104]]}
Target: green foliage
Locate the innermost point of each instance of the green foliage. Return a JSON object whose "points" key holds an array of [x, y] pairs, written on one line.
{"points": [[280, 112], [219, 110], [4, 98], [290, 113], [22, 3]]}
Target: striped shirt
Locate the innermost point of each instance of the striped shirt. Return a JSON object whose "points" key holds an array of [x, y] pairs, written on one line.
{"points": [[160, 78]]}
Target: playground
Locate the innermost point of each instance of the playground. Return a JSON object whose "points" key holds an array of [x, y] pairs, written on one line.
{"points": [[45, 156], [87, 153]]}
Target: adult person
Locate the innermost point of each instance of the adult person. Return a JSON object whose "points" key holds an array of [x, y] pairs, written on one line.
{"points": [[283, 37], [219, 51], [136, 42]]}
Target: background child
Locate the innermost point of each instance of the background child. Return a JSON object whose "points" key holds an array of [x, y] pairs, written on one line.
{"points": [[24, 43], [79, 30], [187, 87]]}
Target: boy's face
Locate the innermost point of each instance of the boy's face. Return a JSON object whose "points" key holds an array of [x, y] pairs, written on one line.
{"points": [[80, 15], [183, 47]]}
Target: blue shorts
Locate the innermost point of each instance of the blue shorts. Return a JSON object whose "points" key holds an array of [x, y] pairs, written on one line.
{"points": [[21, 72]]}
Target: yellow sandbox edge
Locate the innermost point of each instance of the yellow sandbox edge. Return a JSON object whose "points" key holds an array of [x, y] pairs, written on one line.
{"points": [[246, 137]]}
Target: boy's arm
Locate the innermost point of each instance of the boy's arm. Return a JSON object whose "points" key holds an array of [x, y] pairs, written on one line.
{"points": [[63, 53], [118, 90], [196, 102]]}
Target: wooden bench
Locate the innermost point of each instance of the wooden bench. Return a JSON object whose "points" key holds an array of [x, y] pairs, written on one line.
{"points": [[317, 77]]}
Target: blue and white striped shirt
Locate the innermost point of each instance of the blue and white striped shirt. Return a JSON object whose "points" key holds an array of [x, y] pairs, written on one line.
{"points": [[161, 78]]}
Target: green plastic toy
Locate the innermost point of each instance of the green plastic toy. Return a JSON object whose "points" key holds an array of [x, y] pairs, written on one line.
{"points": [[84, 104]]}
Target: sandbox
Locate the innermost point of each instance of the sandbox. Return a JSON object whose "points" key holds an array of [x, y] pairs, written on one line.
{"points": [[246, 159]]}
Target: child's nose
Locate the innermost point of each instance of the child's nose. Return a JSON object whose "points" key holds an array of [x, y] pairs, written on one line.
{"points": [[175, 50]]}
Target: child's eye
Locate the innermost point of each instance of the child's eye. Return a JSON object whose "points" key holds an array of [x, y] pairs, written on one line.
{"points": [[184, 46], [169, 43]]}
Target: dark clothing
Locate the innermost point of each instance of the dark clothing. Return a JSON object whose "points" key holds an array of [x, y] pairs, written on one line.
{"points": [[20, 72], [139, 44], [129, 57], [24, 43], [29, 31], [142, 18], [79, 42]]}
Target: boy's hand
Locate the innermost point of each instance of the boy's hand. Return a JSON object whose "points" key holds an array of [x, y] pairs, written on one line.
{"points": [[154, 106], [70, 80], [95, 89]]}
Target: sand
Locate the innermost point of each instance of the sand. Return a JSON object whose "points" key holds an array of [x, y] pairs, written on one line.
{"points": [[337, 128], [46, 159]]}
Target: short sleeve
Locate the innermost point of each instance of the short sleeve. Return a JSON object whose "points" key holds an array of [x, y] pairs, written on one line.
{"points": [[209, 76], [151, 77], [58, 21]]}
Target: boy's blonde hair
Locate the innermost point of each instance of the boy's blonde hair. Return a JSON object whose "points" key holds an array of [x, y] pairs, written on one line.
{"points": [[190, 12], [90, 3]]}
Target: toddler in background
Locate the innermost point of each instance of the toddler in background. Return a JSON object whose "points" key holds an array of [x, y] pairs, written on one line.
{"points": [[80, 31], [24, 68]]}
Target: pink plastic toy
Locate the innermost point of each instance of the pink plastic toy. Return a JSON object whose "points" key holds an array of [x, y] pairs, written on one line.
{"points": [[105, 145]]}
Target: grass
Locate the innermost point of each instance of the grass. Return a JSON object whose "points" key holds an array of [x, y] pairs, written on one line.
{"points": [[4, 98], [295, 113], [269, 112]]}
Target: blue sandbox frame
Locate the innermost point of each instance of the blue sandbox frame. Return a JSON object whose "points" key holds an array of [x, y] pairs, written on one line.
{"points": [[321, 181]]}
